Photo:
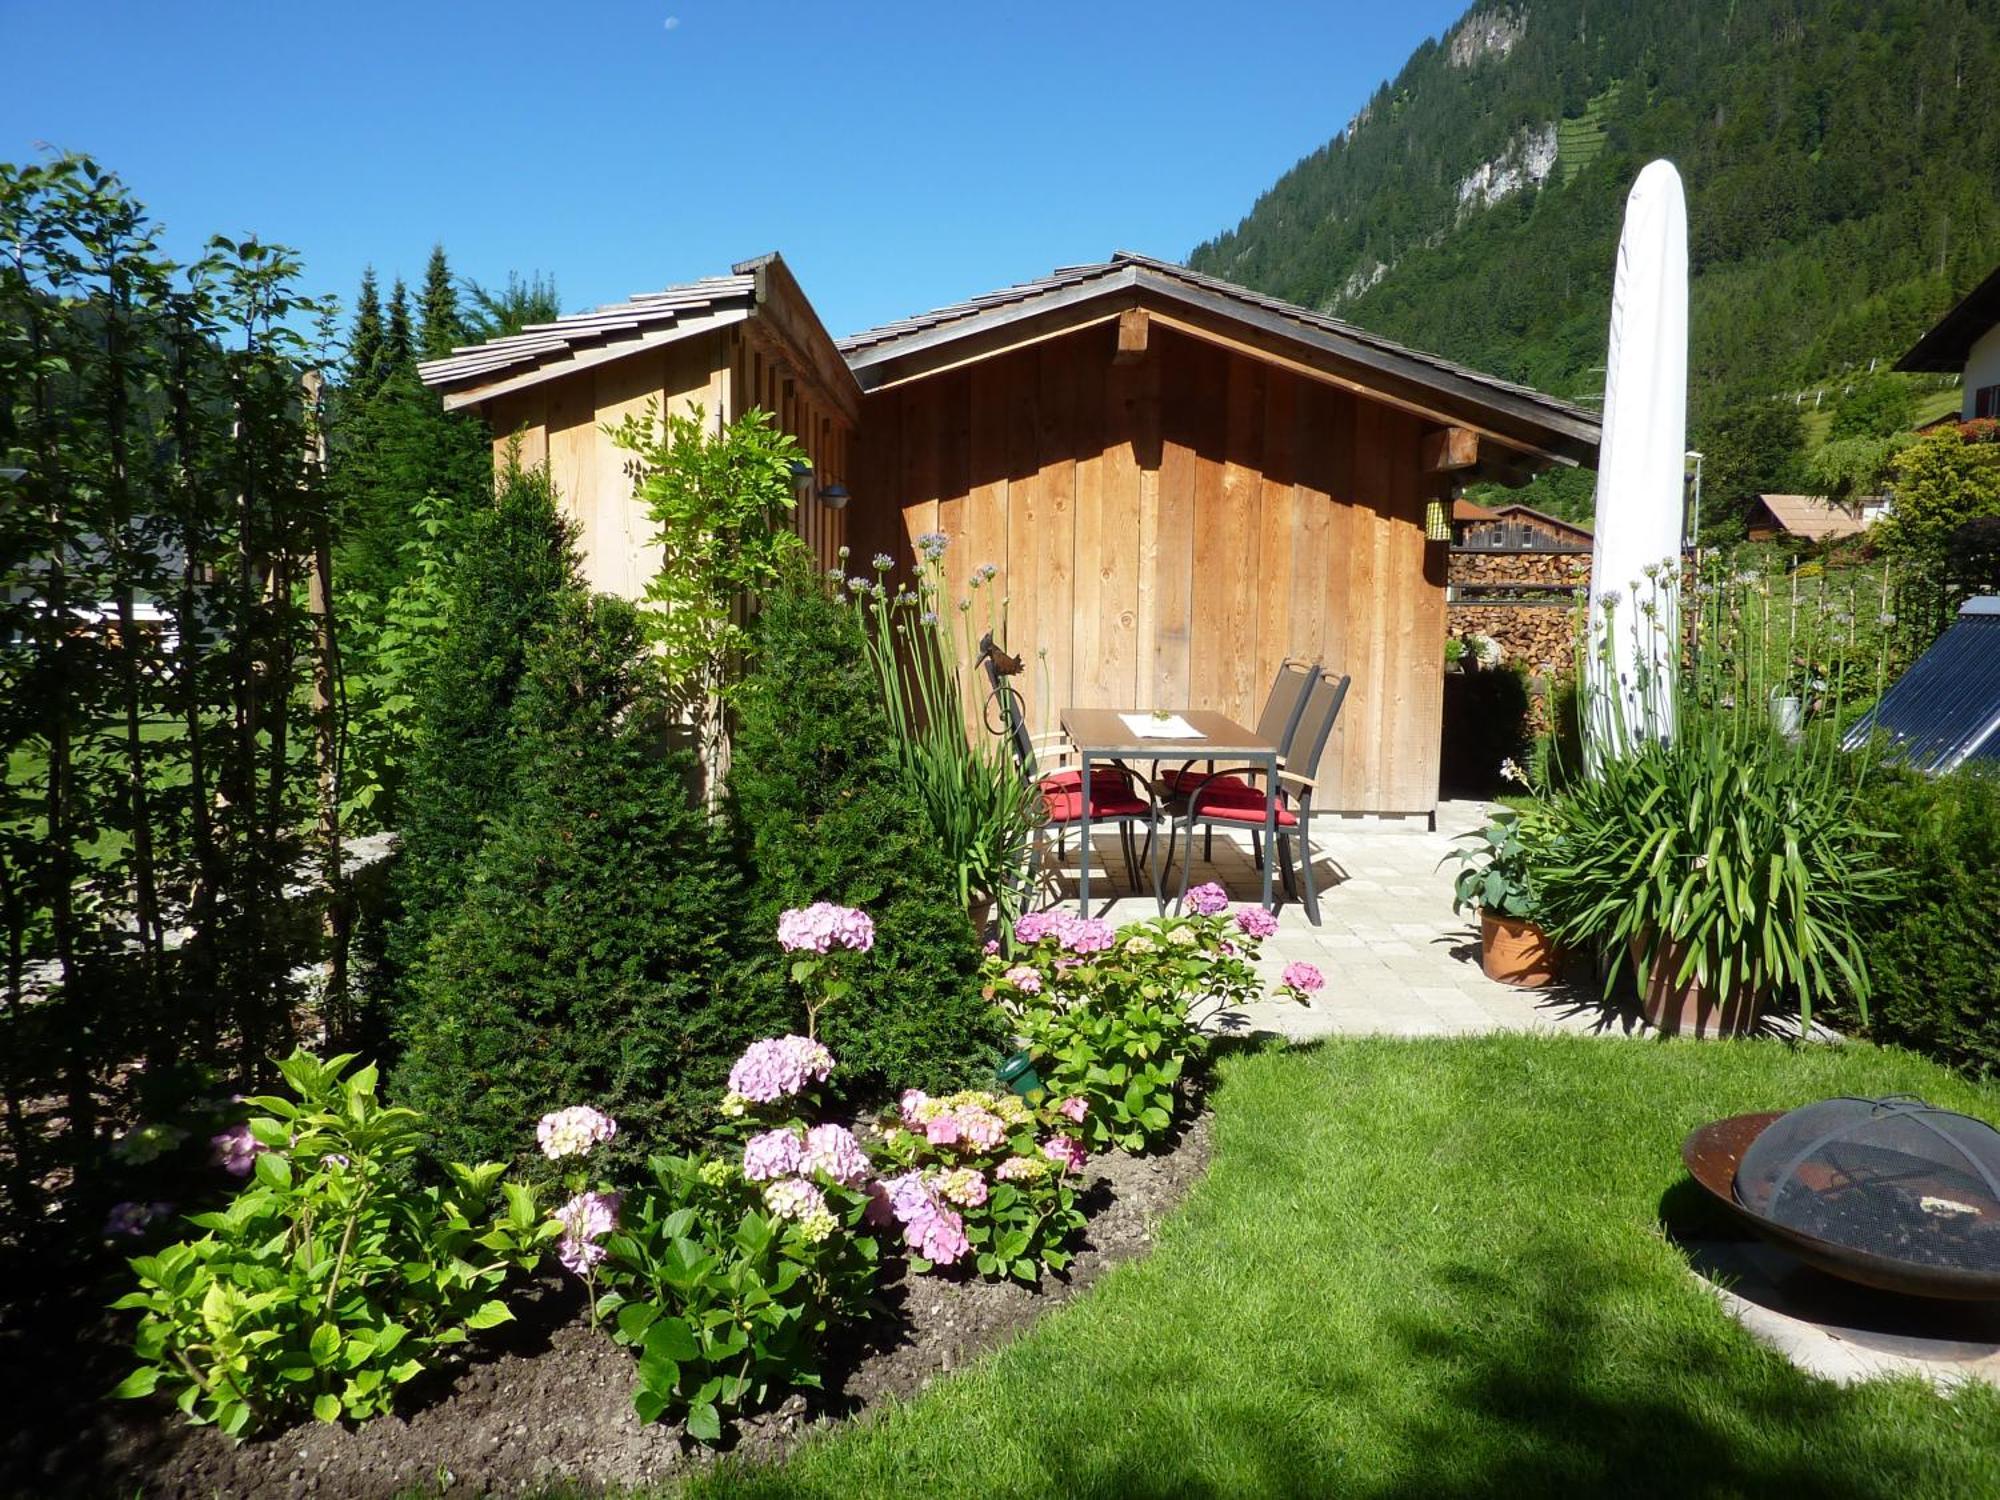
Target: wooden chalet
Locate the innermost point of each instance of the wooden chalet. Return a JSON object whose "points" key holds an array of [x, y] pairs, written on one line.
{"points": [[1181, 482]]}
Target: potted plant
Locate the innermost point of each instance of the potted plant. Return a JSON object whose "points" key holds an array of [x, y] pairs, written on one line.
{"points": [[1730, 869], [1497, 878]]}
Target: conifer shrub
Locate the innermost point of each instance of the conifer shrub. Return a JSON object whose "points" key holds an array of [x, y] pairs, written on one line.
{"points": [[1934, 954], [517, 569], [590, 954], [821, 814]]}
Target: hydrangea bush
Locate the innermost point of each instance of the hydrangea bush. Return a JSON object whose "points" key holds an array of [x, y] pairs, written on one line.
{"points": [[330, 1280], [1113, 1017], [982, 1181]]}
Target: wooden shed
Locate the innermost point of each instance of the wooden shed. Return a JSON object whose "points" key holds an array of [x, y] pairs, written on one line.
{"points": [[725, 343], [1180, 482]]}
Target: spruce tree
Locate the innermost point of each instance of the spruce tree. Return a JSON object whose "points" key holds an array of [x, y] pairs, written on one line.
{"points": [[514, 575], [821, 813], [399, 349], [589, 958], [364, 344], [440, 328]]}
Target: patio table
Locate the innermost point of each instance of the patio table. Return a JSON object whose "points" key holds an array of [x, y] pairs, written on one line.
{"points": [[1101, 734]]}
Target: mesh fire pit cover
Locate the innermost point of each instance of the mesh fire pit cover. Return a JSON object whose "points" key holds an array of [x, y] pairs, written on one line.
{"points": [[1892, 1177]]}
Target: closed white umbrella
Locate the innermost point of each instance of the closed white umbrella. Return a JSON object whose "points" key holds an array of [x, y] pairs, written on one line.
{"points": [[1634, 626]]}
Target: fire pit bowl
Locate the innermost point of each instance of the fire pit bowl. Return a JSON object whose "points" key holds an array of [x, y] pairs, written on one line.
{"points": [[1889, 1193]]}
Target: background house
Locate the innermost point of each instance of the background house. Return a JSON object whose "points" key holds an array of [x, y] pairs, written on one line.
{"points": [[1966, 342], [1812, 518], [1179, 482]]}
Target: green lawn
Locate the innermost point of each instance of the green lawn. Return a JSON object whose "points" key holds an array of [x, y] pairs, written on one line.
{"points": [[1429, 1269]]}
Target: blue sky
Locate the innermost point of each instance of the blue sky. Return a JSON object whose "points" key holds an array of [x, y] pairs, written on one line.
{"points": [[899, 155]]}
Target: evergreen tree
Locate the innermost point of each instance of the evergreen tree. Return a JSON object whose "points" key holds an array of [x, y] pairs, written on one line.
{"points": [[364, 344], [820, 812], [399, 350], [496, 314], [515, 573], [440, 328], [589, 956]]}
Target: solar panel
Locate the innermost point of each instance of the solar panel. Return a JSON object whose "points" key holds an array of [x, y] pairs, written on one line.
{"points": [[1945, 710]]}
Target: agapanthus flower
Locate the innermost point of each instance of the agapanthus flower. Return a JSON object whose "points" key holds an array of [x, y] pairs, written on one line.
{"points": [[1031, 927], [1025, 978], [966, 1187], [1066, 1151], [823, 926], [574, 1131], [1074, 1108], [585, 1219], [1022, 1169], [775, 1153], [778, 1067], [1254, 921], [884, 562], [235, 1150], [932, 544], [128, 1220], [1302, 978], [794, 1198], [833, 1151], [1208, 900]]}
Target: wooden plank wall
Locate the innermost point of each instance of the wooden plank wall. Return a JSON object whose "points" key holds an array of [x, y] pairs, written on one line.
{"points": [[1168, 530], [726, 372]]}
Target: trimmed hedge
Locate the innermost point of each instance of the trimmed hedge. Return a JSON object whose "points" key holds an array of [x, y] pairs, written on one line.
{"points": [[821, 813], [1934, 953]]}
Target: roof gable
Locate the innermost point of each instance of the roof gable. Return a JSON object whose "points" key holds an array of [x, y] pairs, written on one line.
{"points": [[1945, 347], [1073, 296], [1814, 517]]}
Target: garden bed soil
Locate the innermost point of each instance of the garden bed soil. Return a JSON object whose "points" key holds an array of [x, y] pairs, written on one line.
{"points": [[549, 1400]]}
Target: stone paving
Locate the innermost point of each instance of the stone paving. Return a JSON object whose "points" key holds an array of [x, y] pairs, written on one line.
{"points": [[1398, 961]]}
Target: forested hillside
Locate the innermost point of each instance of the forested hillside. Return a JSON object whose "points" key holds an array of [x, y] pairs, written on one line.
{"points": [[1842, 161]]}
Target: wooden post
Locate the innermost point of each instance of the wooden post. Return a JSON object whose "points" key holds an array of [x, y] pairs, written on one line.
{"points": [[1450, 449], [1134, 325]]}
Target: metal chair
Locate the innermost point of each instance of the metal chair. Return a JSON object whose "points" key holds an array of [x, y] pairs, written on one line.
{"points": [[1231, 798], [1117, 793], [1278, 722]]}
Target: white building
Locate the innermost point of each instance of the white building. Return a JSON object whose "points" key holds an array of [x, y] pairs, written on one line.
{"points": [[1966, 342]]}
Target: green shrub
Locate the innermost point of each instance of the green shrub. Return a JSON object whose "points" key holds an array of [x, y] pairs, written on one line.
{"points": [[516, 570], [1934, 955], [590, 955], [821, 813], [328, 1282]]}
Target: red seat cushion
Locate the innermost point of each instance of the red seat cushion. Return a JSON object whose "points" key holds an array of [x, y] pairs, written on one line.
{"points": [[1110, 798], [1228, 800], [1106, 780], [1190, 779]]}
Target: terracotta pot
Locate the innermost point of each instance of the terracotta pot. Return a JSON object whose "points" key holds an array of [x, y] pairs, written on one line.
{"points": [[1691, 1009], [1516, 951]]}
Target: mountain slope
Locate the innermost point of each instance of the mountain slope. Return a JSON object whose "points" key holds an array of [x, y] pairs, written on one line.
{"points": [[1842, 162]]}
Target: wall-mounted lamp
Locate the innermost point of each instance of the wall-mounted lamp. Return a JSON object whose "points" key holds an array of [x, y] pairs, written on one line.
{"points": [[802, 475], [833, 496], [12, 474]]}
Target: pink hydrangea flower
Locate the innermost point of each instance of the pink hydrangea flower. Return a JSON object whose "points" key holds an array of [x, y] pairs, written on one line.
{"points": [[775, 1153], [586, 1219], [992, 947], [938, 1237], [823, 926], [128, 1220], [1074, 1108], [1085, 934], [778, 1067], [1025, 978], [978, 1129], [1066, 1151], [1254, 921], [1208, 900], [881, 1207], [794, 1198], [910, 1106], [1302, 979], [235, 1150], [1033, 926], [573, 1131], [1021, 1169], [966, 1187], [833, 1151], [942, 1130]]}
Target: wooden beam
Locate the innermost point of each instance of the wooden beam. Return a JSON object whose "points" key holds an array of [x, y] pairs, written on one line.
{"points": [[1450, 449], [1133, 324]]}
